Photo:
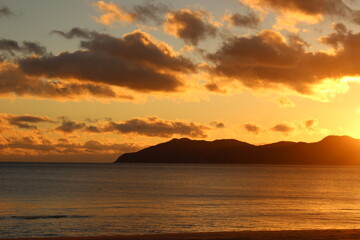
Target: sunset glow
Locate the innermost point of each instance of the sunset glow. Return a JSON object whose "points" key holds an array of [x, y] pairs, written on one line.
{"points": [[116, 76]]}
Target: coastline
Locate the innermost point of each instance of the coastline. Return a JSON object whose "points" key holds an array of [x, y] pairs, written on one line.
{"points": [[330, 234]]}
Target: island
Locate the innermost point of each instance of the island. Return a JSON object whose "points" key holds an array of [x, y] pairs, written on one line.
{"points": [[332, 150]]}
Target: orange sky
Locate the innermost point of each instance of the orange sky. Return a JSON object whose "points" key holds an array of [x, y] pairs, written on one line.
{"points": [[117, 76]]}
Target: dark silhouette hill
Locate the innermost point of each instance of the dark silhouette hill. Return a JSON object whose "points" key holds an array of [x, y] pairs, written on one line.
{"points": [[332, 150]]}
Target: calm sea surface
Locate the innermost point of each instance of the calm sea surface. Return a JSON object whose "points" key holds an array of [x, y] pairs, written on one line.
{"points": [[43, 199]]}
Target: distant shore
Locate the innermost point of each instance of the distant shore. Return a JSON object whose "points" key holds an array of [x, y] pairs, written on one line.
{"points": [[242, 235]]}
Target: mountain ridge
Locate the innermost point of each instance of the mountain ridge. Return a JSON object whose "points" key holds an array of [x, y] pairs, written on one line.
{"points": [[331, 150]]}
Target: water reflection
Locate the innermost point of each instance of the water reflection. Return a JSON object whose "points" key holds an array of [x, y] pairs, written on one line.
{"points": [[103, 199]]}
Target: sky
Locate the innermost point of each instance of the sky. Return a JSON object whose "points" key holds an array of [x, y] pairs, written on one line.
{"points": [[86, 81]]}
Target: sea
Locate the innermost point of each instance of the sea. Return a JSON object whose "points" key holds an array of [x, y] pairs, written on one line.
{"points": [[70, 199]]}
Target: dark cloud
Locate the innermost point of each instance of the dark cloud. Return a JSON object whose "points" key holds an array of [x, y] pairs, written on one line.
{"points": [[9, 45], [99, 68], [150, 126], [32, 47], [74, 33], [253, 128], [93, 129], [140, 48], [336, 39], [250, 20], [217, 124], [150, 11], [5, 12], [345, 62], [189, 25], [155, 127], [14, 81], [267, 60], [135, 61], [12, 47], [283, 128], [137, 47], [213, 87], [69, 126], [25, 121]]}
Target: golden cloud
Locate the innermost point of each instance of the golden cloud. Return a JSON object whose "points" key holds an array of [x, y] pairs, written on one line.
{"points": [[268, 60], [112, 13], [291, 12], [143, 13]]}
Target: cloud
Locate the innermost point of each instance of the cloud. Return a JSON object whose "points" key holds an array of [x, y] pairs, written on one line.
{"points": [[40, 145], [311, 124], [32, 47], [5, 12], [329, 7], [217, 124], [250, 20], [13, 81], [150, 126], [252, 128], [292, 12], [24, 121], [190, 25], [213, 87], [100, 68], [69, 126], [149, 11], [337, 38], [93, 129], [75, 33], [285, 102], [308, 126], [112, 13], [268, 60], [156, 127], [11, 46], [136, 61], [283, 128], [96, 146]]}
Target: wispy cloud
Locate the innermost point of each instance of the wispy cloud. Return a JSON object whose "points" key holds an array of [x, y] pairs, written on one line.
{"points": [[249, 20], [5, 11], [143, 13]]}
